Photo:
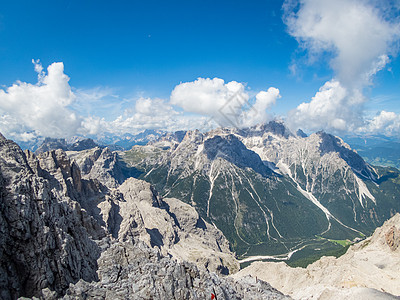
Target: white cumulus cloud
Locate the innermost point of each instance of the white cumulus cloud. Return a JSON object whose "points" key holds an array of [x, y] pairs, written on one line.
{"points": [[228, 104], [211, 97], [258, 113], [147, 113], [28, 110], [386, 122], [354, 31], [332, 108], [359, 36]]}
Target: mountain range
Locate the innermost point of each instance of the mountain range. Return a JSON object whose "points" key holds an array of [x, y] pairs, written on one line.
{"points": [[112, 141], [171, 218], [272, 193], [309, 191]]}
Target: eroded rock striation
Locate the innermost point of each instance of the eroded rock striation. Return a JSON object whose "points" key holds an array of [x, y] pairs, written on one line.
{"points": [[45, 236]]}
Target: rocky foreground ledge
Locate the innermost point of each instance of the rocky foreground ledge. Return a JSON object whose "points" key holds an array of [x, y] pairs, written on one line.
{"points": [[136, 271], [64, 235]]}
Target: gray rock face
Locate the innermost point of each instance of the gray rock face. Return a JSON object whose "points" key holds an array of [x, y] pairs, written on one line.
{"points": [[274, 127], [44, 241], [232, 150], [169, 140], [99, 164], [168, 224], [134, 209], [136, 271], [301, 133], [52, 144], [330, 143], [65, 236]]}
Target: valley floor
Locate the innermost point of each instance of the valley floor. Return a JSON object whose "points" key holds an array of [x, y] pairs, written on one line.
{"points": [[368, 270]]}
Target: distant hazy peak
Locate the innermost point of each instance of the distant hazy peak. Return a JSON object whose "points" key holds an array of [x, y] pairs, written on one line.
{"points": [[300, 133], [56, 143]]}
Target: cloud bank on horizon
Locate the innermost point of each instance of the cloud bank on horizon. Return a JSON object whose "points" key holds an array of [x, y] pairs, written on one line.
{"points": [[359, 36], [50, 108]]}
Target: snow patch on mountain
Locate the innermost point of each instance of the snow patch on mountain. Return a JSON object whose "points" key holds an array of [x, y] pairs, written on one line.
{"points": [[363, 191]]}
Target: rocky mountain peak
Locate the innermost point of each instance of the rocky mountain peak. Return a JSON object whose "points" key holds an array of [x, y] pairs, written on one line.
{"points": [[222, 131], [274, 127], [179, 135], [14, 158], [230, 148], [78, 144], [169, 140], [52, 144], [83, 145], [300, 133], [176, 136], [330, 143], [99, 164], [278, 128], [193, 136]]}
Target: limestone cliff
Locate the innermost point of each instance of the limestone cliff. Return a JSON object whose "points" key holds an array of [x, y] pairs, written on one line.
{"points": [[66, 236], [45, 236]]}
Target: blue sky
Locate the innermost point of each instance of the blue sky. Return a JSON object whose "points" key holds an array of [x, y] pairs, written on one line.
{"points": [[130, 50]]}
